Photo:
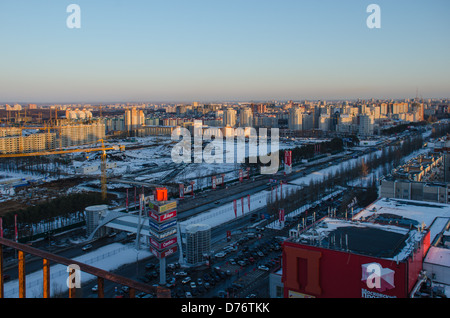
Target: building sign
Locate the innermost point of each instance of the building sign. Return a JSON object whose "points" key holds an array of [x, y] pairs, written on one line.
{"points": [[163, 208], [162, 226], [163, 245], [378, 279], [162, 217], [165, 253], [162, 235]]}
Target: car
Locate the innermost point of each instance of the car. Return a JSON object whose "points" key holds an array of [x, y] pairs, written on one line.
{"points": [[171, 283], [217, 202], [188, 295], [263, 267], [220, 254], [207, 285], [87, 247], [199, 281], [112, 234], [125, 289], [95, 288], [181, 273], [186, 280], [193, 285], [232, 261], [228, 272]]}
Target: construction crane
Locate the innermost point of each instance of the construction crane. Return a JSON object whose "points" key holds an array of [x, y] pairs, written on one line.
{"points": [[102, 149]]}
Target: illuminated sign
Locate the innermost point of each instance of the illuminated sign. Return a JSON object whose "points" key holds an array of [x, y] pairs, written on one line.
{"points": [[162, 217], [162, 226], [163, 208], [165, 244]]}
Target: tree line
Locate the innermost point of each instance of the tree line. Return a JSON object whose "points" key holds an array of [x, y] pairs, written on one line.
{"points": [[66, 206]]}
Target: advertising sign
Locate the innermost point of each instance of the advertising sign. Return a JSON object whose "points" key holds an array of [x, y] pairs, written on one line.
{"points": [[163, 245], [165, 253], [162, 226], [288, 161], [162, 235], [163, 208], [162, 217]]}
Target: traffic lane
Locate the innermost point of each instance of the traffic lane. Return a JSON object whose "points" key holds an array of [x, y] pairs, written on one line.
{"points": [[222, 201]]}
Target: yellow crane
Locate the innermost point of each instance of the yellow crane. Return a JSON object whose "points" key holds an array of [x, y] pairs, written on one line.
{"points": [[102, 149]]}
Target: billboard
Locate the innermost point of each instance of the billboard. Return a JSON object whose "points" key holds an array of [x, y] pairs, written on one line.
{"points": [[162, 226], [165, 253], [164, 207], [162, 217], [165, 244], [288, 162]]}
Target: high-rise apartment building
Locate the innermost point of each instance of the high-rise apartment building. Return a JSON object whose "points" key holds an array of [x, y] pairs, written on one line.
{"points": [[246, 117], [229, 117], [134, 118], [295, 118]]}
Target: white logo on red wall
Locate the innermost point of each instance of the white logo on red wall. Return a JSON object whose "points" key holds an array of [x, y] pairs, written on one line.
{"points": [[377, 277]]}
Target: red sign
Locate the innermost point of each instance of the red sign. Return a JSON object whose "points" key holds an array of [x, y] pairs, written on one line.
{"points": [[281, 215], [162, 217], [163, 245], [235, 208], [165, 253]]}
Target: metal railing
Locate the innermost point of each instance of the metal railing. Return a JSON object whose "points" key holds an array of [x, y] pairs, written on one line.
{"points": [[47, 257]]}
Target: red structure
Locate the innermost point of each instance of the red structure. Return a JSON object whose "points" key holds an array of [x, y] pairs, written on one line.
{"points": [[341, 266]]}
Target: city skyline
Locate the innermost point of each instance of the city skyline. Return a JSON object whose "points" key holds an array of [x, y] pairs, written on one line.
{"points": [[233, 51]]}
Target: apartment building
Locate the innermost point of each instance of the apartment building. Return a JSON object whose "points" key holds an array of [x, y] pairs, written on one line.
{"points": [[25, 144]]}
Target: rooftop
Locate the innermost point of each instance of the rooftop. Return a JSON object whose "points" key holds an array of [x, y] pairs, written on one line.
{"points": [[434, 216], [365, 238]]}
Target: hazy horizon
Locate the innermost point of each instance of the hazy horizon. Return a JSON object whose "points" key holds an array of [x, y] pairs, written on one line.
{"points": [[198, 50]]}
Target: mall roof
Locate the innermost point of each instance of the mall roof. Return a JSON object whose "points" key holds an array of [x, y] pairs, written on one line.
{"points": [[434, 216], [365, 238]]}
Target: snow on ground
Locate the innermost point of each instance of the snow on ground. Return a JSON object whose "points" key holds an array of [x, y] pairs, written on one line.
{"points": [[108, 258]]}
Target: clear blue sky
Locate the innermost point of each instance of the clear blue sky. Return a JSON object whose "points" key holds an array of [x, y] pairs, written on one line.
{"points": [[216, 50]]}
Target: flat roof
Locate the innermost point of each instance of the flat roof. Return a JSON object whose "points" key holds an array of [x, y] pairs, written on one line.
{"points": [[434, 216], [365, 238], [438, 256]]}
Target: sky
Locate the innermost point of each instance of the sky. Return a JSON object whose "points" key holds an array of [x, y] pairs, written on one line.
{"points": [[222, 50]]}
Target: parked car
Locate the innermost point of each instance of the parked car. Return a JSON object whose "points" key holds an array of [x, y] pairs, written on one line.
{"points": [[263, 267], [87, 247], [181, 273], [186, 280]]}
